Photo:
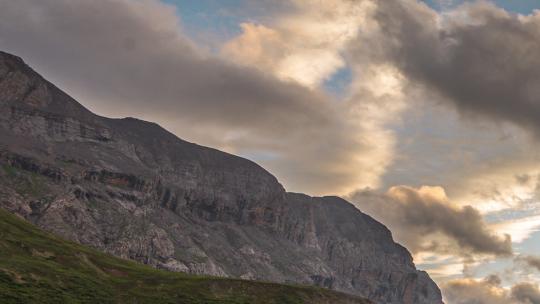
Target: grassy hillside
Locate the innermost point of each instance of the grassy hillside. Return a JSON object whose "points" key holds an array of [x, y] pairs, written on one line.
{"points": [[36, 267]]}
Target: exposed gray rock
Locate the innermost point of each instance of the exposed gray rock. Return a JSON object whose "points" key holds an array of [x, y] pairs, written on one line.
{"points": [[131, 188]]}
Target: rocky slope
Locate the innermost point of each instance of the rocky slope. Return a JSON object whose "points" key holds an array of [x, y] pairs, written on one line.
{"points": [[130, 188], [36, 267]]}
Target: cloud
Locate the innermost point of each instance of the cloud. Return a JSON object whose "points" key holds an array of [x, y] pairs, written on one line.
{"points": [[503, 183], [445, 4], [531, 261], [478, 162], [519, 228], [425, 219], [526, 293], [304, 45], [441, 267], [307, 46], [122, 53], [489, 291], [470, 291], [478, 57], [131, 58]]}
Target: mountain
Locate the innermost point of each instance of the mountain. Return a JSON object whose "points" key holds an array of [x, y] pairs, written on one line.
{"points": [[130, 188], [36, 267]]}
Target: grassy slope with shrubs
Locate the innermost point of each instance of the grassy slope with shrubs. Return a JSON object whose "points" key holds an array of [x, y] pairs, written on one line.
{"points": [[37, 267]]}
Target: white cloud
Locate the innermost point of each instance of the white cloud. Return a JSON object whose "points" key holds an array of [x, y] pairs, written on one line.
{"points": [[304, 46], [520, 229]]}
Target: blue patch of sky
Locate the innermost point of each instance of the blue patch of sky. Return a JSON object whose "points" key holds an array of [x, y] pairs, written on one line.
{"points": [[338, 84], [527, 208], [210, 22], [517, 6], [207, 14], [530, 245], [216, 21], [499, 266]]}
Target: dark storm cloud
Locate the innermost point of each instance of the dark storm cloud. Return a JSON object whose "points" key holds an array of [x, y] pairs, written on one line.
{"points": [[416, 216], [480, 58]]}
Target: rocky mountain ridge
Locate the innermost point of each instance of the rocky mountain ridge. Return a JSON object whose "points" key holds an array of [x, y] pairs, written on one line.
{"points": [[130, 188]]}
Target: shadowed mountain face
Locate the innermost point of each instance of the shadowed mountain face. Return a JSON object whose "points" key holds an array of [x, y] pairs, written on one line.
{"points": [[130, 188]]}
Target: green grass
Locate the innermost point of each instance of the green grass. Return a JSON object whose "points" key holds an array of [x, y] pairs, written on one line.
{"points": [[36, 267]]}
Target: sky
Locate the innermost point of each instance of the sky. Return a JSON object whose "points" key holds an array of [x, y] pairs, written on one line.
{"points": [[424, 114]]}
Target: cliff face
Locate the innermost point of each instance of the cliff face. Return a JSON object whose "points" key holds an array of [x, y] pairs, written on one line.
{"points": [[39, 268], [131, 188]]}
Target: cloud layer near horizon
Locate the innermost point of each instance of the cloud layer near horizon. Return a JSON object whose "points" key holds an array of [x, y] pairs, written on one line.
{"points": [[490, 291], [425, 219]]}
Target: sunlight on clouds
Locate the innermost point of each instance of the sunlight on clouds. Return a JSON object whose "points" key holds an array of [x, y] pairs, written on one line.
{"points": [[520, 228], [468, 290], [304, 46], [506, 184], [310, 45], [271, 51], [425, 220], [426, 257], [430, 193], [376, 102], [444, 271], [307, 47], [441, 267], [385, 81]]}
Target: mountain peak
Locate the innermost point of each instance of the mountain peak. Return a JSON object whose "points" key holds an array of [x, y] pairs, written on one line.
{"points": [[133, 189], [21, 86]]}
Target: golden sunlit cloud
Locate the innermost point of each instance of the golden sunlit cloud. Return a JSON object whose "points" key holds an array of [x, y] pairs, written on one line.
{"points": [[307, 47], [520, 229]]}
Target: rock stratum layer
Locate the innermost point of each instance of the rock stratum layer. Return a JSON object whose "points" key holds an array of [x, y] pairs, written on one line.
{"points": [[132, 189], [38, 268]]}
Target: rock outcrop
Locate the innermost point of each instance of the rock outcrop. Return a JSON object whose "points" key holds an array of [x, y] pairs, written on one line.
{"points": [[130, 188]]}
